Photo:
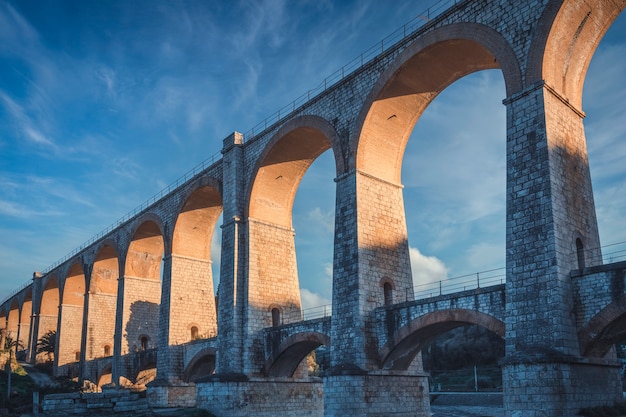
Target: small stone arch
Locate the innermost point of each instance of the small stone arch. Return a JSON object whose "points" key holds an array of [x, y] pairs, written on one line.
{"points": [[276, 315], [104, 377], [406, 342], [143, 342], [388, 287], [600, 333], [201, 365], [291, 351], [194, 331]]}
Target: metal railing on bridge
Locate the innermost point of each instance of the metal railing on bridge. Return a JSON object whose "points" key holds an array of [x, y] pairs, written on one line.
{"points": [[305, 314], [459, 283], [385, 44]]}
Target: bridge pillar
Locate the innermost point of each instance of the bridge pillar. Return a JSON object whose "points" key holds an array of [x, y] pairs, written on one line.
{"points": [[34, 320], [231, 290], [187, 302], [371, 249], [550, 215]]}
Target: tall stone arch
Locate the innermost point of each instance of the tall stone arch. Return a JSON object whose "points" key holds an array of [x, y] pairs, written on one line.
{"points": [[272, 275], [26, 312], [69, 335], [47, 315], [188, 293], [370, 204], [139, 291], [102, 301], [13, 322]]}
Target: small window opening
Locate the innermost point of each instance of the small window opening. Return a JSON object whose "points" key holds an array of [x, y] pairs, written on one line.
{"points": [[194, 333], [388, 293], [77, 355], [275, 317], [580, 253], [107, 350], [144, 342]]}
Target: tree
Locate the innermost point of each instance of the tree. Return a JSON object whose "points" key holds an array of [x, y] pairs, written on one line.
{"points": [[12, 344], [47, 343]]}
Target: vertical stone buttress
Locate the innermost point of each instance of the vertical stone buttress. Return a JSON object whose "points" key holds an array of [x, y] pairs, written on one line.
{"points": [[230, 292], [117, 365], [85, 323], [549, 205], [23, 331], [37, 293], [371, 248]]}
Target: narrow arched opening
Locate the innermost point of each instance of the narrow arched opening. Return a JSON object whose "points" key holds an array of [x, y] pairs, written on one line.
{"points": [[192, 263], [71, 324], [102, 301], [580, 253], [142, 285], [276, 317]]}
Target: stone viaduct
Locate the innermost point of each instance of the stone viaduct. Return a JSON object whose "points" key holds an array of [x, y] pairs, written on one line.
{"points": [[141, 298]]}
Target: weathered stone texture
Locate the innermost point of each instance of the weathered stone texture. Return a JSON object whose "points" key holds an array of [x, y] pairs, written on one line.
{"points": [[559, 324], [261, 397], [100, 332], [141, 312], [70, 334]]}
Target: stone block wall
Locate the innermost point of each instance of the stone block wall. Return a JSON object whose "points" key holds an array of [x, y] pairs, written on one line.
{"points": [[100, 328], [272, 283], [261, 397], [70, 333], [377, 395], [192, 300], [141, 312], [596, 288]]}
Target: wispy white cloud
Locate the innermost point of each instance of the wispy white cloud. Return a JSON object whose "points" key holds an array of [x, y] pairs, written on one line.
{"points": [[426, 269], [310, 299], [12, 209]]}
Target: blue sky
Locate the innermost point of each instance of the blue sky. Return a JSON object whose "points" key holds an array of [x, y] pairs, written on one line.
{"points": [[104, 103]]}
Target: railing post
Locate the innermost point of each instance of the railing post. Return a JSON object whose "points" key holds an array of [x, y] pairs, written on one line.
{"points": [[440, 291], [477, 280]]}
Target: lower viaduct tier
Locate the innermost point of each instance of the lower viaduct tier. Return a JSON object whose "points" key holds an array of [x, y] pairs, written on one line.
{"points": [[138, 304]]}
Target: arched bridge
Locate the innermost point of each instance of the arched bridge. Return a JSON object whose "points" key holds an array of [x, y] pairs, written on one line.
{"points": [[142, 294]]}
